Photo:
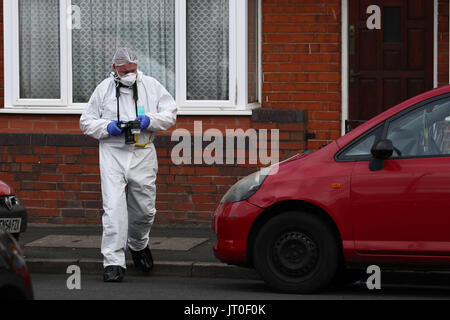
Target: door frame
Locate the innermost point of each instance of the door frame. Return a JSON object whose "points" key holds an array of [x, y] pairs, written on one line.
{"points": [[345, 58]]}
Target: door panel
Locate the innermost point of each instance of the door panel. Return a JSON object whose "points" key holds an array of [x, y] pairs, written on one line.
{"points": [[415, 87], [416, 9], [392, 91], [403, 209], [392, 59], [367, 51], [367, 87], [397, 60], [416, 57]]}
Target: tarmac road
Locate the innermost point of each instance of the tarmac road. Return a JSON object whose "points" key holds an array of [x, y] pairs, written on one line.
{"points": [[53, 287], [190, 275]]}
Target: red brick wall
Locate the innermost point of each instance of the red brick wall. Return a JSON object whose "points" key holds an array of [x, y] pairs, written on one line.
{"points": [[302, 62], [16, 123], [57, 184], [56, 174]]}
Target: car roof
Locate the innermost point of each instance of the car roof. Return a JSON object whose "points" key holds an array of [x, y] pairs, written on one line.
{"points": [[343, 141]]}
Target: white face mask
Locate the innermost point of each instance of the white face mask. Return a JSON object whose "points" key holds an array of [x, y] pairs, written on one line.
{"points": [[129, 79]]}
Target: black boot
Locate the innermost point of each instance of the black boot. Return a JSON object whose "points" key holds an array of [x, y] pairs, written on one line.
{"points": [[143, 260], [113, 274]]}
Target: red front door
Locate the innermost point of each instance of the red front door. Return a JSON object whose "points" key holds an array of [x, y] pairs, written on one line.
{"points": [[391, 64]]}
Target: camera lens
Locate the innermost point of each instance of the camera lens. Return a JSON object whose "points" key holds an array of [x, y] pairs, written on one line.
{"points": [[129, 137], [135, 127]]}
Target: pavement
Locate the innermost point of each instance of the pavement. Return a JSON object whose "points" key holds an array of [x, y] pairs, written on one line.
{"points": [[184, 251]]}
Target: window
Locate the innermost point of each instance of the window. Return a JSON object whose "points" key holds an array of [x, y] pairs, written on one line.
{"points": [[208, 50], [146, 26], [193, 47], [39, 45], [392, 25], [422, 132], [361, 149]]}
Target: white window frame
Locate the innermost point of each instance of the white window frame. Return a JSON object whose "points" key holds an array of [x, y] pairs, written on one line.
{"points": [[238, 91]]}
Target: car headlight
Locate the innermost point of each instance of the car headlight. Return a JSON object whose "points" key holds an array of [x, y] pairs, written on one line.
{"points": [[10, 201], [246, 187]]}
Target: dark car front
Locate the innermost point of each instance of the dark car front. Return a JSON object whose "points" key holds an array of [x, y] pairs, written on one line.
{"points": [[13, 216], [15, 282]]}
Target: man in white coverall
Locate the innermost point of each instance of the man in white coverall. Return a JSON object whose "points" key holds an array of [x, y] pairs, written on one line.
{"points": [[128, 171]]}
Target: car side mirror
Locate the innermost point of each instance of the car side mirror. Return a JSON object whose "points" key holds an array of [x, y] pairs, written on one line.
{"points": [[381, 151]]}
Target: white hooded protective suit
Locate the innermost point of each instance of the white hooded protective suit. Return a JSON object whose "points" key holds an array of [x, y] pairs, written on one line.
{"points": [[128, 172]]}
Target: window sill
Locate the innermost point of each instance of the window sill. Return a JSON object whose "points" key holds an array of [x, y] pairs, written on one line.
{"points": [[183, 111], [40, 110]]}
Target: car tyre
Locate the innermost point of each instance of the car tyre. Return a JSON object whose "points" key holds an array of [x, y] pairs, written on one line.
{"points": [[296, 252]]}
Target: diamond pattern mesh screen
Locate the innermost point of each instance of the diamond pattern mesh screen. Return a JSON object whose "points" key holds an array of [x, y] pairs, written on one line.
{"points": [[146, 26], [39, 45], [208, 49]]}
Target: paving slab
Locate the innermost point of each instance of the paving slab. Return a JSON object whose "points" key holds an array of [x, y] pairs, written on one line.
{"points": [[178, 251], [94, 242]]}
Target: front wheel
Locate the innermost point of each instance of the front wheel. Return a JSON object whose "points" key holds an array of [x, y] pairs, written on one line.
{"points": [[295, 252]]}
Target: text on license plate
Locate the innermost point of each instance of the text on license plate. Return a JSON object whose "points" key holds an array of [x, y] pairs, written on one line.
{"points": [[11, 225]]}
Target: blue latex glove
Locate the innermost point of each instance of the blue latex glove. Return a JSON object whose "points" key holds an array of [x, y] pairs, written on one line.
{"points": [[113, 129], [145, 122]]}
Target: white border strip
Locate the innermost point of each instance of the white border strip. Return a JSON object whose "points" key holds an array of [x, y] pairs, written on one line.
{"points": [[76, 111], [260, 56], [8, 52], [436, 61], [344, 62]]}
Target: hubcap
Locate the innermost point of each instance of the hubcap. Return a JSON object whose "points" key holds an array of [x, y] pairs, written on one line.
{"points": [[295, 254]]}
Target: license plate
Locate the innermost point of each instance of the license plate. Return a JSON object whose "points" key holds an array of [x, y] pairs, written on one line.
{"points": [[11, 225]]}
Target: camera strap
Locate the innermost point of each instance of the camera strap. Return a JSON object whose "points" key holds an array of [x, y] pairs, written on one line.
{"points": [[135, 97]]}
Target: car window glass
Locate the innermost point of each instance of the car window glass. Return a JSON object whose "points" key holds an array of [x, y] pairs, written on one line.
{"points": [[422, 132], [363, 147]]}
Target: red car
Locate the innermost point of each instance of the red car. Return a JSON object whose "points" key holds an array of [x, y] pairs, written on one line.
{"points": [[379, 195]]}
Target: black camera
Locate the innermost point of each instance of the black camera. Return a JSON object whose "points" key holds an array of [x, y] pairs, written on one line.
{"points": [[131, 129]]}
